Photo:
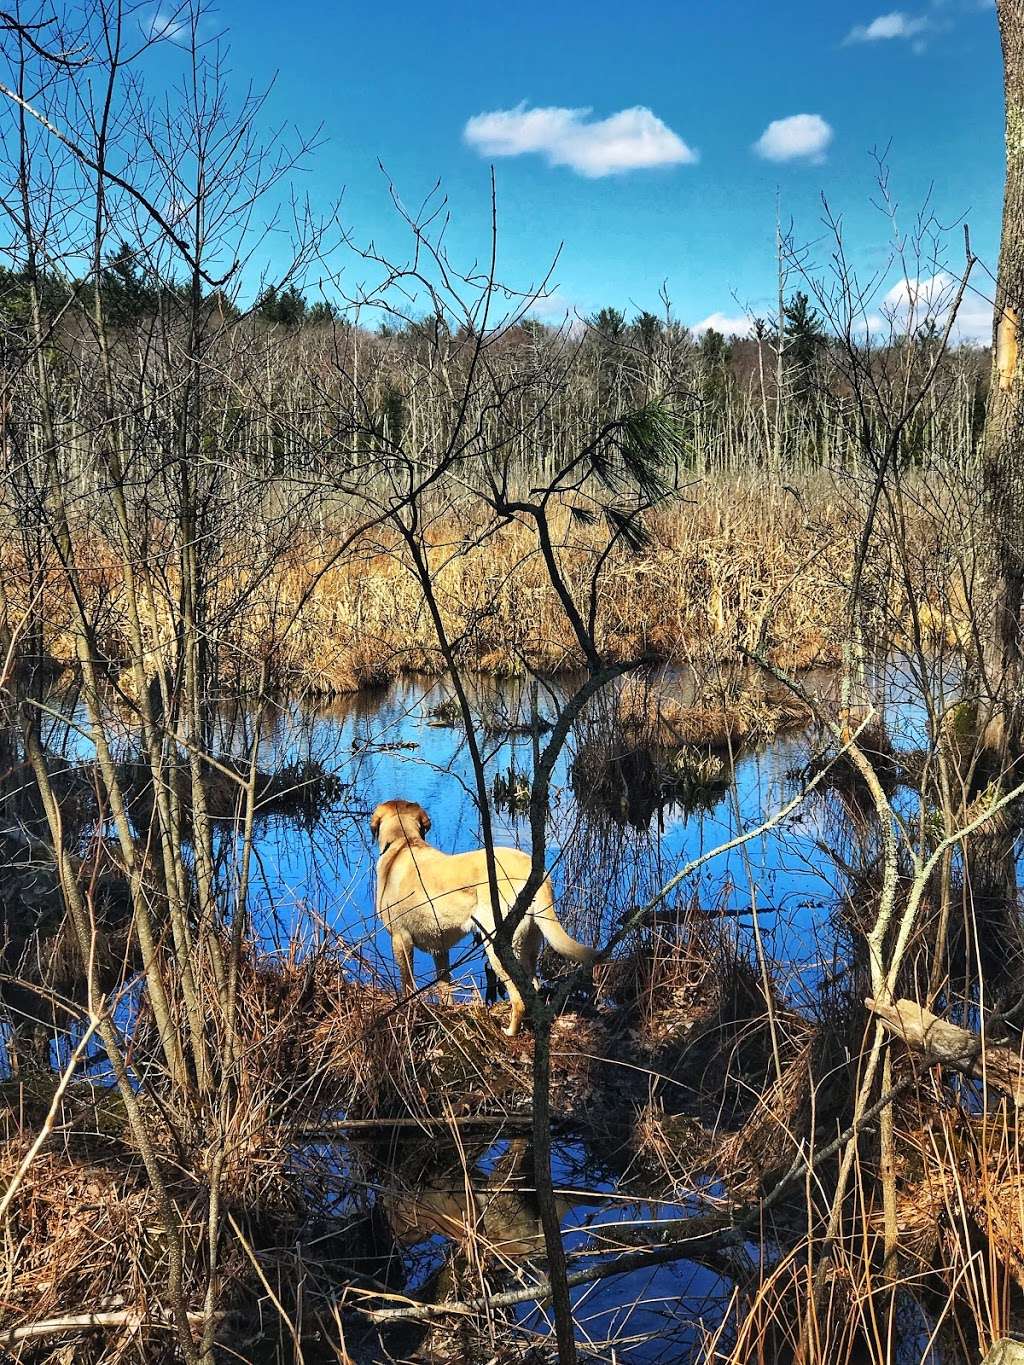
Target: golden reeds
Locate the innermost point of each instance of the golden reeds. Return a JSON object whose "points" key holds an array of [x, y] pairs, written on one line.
{"points": [[738, 565]]}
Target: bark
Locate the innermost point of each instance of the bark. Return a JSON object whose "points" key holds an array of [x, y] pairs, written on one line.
{"points": [[992, 864], [551, 1223], [1003, 438]]}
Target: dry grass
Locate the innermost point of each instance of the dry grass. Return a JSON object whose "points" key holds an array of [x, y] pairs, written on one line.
{"points": [[87, 1234], [671, 1069], [738, 564], [737, 711], [706, 581], [958, 1272]]}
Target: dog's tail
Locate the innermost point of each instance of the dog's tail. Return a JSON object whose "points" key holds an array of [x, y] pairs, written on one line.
{"points": [[564, 944]]}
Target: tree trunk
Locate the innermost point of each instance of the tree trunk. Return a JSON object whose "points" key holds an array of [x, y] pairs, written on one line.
{"points": [[1003, 439], [992, 863]]}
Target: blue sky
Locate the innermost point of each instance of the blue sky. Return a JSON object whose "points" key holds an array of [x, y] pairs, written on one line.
{"points": [[401, 81]]}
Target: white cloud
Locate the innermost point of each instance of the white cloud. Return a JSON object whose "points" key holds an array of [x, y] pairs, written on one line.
{"points": [[173, 26], [734, 326], [974, 322], [898, 24], [911, 303], [921, 296], [555, 310], [801, 137], [630, 140], [550, 306]]}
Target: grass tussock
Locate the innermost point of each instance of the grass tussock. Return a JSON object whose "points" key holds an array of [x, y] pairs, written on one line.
{"points": [[300, 790], [86, 1232], [963, 1172], [737, 711], [389, 1059]]}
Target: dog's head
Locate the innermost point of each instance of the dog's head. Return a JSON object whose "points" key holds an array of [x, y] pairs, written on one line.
{"points": [[390, 817]]}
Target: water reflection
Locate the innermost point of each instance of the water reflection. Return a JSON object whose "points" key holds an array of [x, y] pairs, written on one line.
{"points": [[468, 1222], [619, 823]]}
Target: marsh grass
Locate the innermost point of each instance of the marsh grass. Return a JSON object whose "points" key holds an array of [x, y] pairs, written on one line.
{"points": [[667, 1078], [740, 563]]}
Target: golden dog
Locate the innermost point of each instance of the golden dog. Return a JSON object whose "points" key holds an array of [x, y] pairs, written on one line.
{"points": [[429, 900]]}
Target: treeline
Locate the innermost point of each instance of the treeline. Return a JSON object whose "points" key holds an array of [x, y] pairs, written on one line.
{"points": [[775, 398], [131, 295]]}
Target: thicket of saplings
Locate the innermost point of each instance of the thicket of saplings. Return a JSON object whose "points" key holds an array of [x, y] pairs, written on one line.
{"points": [[748, 544], [203, 506]]}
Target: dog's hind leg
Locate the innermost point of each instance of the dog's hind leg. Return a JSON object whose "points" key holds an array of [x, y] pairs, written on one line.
{"points": [[401, 946], [526, 945], [515, 999], [493, 988], [444, 977]]}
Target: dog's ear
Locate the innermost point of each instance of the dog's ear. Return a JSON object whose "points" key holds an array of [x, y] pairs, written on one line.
{"points": [[424, 820], [375, 819]]}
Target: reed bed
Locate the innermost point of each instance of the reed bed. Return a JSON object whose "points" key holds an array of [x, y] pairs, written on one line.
{"points": [[739, 564]]}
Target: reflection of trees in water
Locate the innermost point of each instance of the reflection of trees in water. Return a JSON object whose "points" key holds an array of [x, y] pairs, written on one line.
{"points": [[636, 784], [624, 789], [607, 868]]}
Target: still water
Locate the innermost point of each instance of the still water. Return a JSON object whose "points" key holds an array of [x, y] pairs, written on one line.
{"points": [[608, 849], [601, 862]]}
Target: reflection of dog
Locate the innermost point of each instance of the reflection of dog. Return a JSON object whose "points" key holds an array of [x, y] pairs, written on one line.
{"points": [[463, 1202], [429, 900]]}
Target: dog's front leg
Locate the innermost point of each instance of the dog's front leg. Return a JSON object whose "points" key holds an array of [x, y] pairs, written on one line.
{"points": [[401, 946], [442, 969]]}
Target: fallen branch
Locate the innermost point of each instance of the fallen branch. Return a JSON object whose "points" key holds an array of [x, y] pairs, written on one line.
{"points": [[718, 1236], [959, 1049], [334, 1127], [133, 1319]]}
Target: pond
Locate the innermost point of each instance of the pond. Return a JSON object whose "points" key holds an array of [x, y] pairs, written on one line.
{"points": [[604, 855], [601, 863], [611, 846]]}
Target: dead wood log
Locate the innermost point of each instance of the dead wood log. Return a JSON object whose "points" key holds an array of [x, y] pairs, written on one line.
{"points": [[945, 1044], [1005, 1352], [331, 1127]]}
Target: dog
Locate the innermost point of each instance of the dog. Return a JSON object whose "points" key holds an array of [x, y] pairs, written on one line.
{"points": [[429, 900]]}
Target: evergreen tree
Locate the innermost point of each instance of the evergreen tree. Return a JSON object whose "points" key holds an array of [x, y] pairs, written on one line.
{"points": [[284, 307], [804, 332], [715, 351], [127, 296], [610, 324], [15, 298], [648, 328], [716, 376], [320, 313]]}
